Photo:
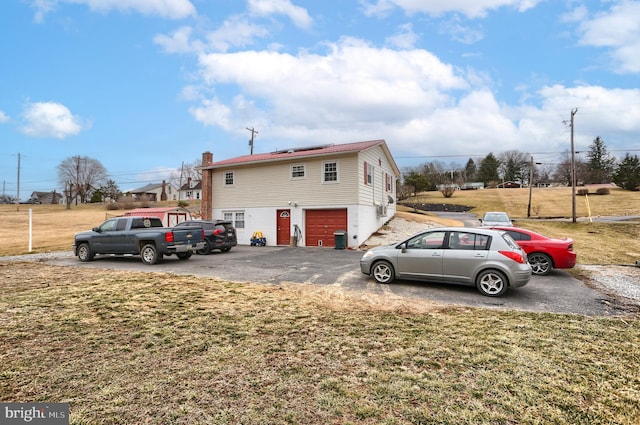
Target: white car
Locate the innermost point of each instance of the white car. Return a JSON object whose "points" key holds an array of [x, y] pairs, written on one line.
{"points": [[496, 218]]}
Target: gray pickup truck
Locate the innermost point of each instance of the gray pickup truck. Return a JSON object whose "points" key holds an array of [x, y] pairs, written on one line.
{"points": [[144, 236]]}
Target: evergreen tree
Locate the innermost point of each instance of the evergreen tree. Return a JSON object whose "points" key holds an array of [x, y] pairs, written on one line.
{"points": [[470, 170], [488, 171], [627, 175], [601, 164], [417, 180]]}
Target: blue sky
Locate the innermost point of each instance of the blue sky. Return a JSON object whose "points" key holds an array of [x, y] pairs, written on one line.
{"points": [[145, 85]]}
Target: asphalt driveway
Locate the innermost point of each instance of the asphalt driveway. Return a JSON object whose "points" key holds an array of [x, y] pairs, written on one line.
{"points": [[558, 292]]}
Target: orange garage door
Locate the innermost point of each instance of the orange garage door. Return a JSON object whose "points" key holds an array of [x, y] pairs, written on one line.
{"points": [[320, 225]]}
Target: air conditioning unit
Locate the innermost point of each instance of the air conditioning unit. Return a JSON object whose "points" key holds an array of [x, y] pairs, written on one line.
{"points": [[381, 210]]}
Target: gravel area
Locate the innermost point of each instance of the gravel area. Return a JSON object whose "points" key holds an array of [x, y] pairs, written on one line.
{"points": [[620, 281]]}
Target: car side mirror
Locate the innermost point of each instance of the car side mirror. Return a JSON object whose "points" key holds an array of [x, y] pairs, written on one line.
{"points": [[96, 229]]}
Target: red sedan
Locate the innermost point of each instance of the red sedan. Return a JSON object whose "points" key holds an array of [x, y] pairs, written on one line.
{"points": [[544, 253]]}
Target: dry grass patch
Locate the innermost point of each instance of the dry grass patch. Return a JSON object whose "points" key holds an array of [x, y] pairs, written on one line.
{"points": [[158, 348], [545, 202], [595, 243], [53, 226]]}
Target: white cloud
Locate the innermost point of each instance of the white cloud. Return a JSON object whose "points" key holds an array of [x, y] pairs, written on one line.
{"points": [[213, 112], [3, 117], [422, 106], [405, 38], [619, 30], [50, 119], [42, 7], [170, 9], [469, 8], [297, 14], [235, 32], [351, 90], [461, 32], [178, 42], [579, 14]]}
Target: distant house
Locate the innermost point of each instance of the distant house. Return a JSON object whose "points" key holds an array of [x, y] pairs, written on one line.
{"points": [[312, 196], [170, 216], [52, 197], [472, 186], [156, 192], [453, 186], [509, 185], [192, 190]]}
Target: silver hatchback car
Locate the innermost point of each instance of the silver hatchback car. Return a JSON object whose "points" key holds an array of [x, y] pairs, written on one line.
{"points": [[489, 259]]}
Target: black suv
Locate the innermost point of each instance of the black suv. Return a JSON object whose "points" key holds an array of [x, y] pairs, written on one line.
{"points": [[218, 234]]}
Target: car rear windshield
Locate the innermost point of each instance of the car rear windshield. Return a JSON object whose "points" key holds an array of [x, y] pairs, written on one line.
{"points": [[496, 217], [509, 240]]}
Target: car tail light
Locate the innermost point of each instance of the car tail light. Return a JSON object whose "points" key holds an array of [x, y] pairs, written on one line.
{"points": [[203, 235], [168, 237], [515, 256], [217, 232]]}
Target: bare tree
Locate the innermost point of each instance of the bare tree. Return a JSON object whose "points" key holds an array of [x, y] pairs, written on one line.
{"points": [[80, 176], [563, 171], [186, 171], [514, 166]]}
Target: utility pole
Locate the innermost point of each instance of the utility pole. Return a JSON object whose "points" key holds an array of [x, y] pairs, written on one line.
{"points": [[77, 177], [573, 170], [253, 133], [18, 193], [530, 186]]}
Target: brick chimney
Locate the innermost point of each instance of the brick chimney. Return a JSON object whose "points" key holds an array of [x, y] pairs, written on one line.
{"points": [[207, 187], [163, 195]]}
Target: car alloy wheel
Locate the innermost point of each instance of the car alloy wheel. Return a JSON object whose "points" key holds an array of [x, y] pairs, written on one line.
{"points": [[383, 272], [540, 264], [491, 283]]}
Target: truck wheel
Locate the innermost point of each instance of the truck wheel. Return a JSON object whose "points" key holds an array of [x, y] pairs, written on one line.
{"points": [[84, 253], [149, 254], [184, 255]]}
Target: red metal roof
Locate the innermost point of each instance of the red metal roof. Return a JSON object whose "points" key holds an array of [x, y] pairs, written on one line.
{"points": [[303, 152], [153, 211]]}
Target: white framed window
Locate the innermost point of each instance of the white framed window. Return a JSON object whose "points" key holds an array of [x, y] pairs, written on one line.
{"points": [[298, 171], [330, 172], [229, 178], [235, 217], [368, 173]]}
